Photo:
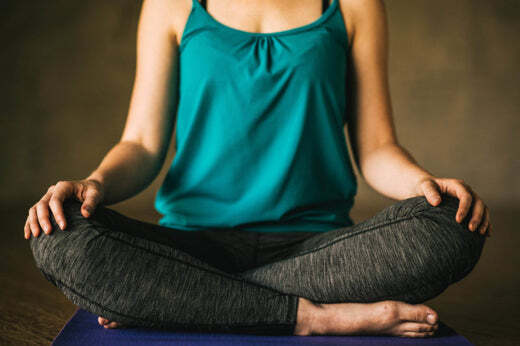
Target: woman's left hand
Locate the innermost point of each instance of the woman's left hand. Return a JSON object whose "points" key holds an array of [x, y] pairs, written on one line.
{"points": [[432, 188]]}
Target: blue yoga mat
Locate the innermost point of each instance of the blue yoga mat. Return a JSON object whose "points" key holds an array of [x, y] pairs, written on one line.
{"points": [[83, 329]]}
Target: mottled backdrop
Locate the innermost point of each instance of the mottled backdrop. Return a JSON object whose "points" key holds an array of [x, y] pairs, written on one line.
{"points": [[68, 68], [67, 71]]}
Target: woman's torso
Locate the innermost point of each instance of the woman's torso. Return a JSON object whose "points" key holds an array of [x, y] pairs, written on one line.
{"points": [[259, 129]]}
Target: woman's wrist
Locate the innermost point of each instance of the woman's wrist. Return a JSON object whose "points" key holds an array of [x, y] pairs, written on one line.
{"points": [[99, 180], [416, 189], [97, 177]]}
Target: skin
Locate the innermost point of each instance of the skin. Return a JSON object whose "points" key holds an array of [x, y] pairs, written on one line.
{"points": [[384, 164]]}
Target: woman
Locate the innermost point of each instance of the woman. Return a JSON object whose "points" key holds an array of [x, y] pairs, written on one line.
{"points": [[256, 235]]}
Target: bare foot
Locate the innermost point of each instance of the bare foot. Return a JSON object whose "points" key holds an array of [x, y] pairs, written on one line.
{"points": [[108, 324], [387, 317]]}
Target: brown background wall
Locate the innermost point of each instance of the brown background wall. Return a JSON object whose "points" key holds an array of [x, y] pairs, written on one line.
{"points": [[68, 68]]}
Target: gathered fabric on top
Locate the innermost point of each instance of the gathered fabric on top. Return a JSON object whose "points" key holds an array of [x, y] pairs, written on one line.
{"points": [[259, 128]]}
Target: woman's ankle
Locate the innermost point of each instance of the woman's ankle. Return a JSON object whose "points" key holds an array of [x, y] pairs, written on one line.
{"points": [[308, 317]]}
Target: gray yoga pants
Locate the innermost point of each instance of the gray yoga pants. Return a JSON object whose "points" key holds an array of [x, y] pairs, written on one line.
{"points": [[234, 281]]}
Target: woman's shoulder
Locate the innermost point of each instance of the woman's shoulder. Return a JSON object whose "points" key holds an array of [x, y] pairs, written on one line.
{"points": [[171, 13], [357, 12]]}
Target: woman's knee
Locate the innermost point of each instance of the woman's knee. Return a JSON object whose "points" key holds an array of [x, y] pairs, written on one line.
{"points": [[55, 252], [452, 241]]}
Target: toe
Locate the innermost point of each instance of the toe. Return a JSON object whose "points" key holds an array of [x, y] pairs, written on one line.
{"points": [[420, 313], [417, 334], [112, 325], [416, 327], [432, 318]]}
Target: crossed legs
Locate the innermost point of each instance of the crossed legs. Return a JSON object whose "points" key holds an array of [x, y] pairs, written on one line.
{"points": [[137, 274]]}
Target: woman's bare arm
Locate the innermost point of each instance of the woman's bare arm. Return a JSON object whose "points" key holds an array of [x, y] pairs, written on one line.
{"points": [[132, 164], [383, 162], [135, 161]]}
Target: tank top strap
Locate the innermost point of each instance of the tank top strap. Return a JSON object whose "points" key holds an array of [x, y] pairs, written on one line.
{"points": [[201, 22], [324, 5]]}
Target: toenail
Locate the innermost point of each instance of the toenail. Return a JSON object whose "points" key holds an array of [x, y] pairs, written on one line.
{"points": [[430, 318]]}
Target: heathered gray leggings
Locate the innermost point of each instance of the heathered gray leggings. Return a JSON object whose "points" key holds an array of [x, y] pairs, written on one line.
{"points": [[230, 280]]}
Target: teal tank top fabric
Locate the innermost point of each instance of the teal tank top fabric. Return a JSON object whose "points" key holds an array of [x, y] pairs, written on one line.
{"points": [[259, 129]]}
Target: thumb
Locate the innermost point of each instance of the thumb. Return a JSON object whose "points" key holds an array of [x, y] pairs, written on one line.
{"points": [[92, 199], [431, 192]]}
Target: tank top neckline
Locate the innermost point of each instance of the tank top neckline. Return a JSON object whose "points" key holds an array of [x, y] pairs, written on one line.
{"points": [[324, 16]]}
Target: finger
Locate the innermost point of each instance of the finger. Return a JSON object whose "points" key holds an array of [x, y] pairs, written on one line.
{"points": [[463, 193], [27, 229], [91, 199], [484, 221], [42, 212], [35, 228], [49, 192], [478, 212], [431, 192], [486, 227], [61, 192], [102, 320], [490, 230]]}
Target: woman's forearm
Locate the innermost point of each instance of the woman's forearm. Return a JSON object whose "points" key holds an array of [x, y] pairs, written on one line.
{"points": [[127, 169], [392, 171]]}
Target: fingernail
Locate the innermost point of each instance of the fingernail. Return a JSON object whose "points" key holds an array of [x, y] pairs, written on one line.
{"points": [[430, 318], [62, 225]]}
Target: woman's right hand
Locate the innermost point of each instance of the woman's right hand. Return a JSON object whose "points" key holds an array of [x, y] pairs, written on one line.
{"points": [[88, 191]]}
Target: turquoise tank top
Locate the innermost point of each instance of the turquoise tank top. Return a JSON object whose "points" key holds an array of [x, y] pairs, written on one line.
{"points": [[259, 128]]}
